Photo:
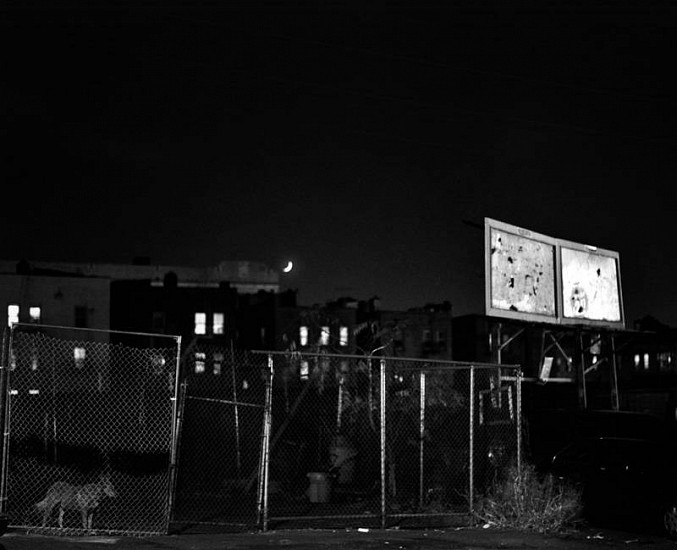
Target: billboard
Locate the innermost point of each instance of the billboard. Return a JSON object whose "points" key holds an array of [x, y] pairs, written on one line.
{"points": [[591, 285], [535, 277], [521, 275]]}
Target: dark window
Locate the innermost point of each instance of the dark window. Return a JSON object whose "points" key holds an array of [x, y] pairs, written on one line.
{"points": [[158, 321], [81, 316]]}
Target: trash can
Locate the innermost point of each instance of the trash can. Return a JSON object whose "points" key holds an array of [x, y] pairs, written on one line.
{"points": [[320, 487]]}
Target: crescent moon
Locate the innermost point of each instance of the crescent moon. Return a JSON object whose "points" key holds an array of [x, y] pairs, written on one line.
{"points": [[289, 267]]}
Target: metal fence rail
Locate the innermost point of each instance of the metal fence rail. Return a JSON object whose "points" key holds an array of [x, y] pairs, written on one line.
{"points": [[88, 423], [381, 440]]}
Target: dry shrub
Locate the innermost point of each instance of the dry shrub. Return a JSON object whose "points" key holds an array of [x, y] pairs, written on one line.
{"points": [[530, 501]]}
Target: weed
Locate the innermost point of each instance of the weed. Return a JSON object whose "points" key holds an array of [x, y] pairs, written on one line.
{"points": [[528, 500]]}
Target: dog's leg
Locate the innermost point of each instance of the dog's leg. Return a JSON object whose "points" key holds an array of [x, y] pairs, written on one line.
{"points": [[45, 515], [61, 513]]}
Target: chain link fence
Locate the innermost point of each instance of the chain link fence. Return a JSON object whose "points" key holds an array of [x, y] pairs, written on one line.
{"points": [[244, 439], [220, 435], [377, 441], [89, 425]]}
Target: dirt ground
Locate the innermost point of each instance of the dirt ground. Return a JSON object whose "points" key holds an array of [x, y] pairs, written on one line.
{"points": [[358, 539]]}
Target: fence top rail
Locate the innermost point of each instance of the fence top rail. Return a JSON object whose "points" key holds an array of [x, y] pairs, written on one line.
{"points": [[34, 326], [426, 362]]}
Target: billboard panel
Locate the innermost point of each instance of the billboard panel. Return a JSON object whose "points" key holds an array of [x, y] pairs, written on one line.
{"points": [[520, 268], [591, 285], [534, 277]]}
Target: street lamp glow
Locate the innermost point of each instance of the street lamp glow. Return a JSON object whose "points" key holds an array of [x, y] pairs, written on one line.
{"points": [[289, 267]]}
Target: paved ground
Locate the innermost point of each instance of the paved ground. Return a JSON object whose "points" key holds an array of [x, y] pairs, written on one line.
{"points": [[353, 539]]}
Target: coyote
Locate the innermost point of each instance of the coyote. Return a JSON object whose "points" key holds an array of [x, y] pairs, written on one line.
{"points": [[84, 498]]}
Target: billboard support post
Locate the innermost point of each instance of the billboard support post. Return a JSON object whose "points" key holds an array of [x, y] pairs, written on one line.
{"points": [[582, 391], [614, 375]]}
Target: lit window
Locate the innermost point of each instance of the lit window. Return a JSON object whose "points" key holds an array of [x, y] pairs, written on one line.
{"points": [[218, 362], [646, 361], [157, 363], [303, 336], [34, 313], [12, 314], [200, 358], [665, 360], [217, 323], [200, 323], [304, 371], [343, 336], [637, 359], [79, 355], [324, 336]]}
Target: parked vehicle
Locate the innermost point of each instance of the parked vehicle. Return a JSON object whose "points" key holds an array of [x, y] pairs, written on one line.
{"points": [[626, 466]]}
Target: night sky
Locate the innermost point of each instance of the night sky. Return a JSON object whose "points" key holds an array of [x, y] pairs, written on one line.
{"points": [[365, 141]]}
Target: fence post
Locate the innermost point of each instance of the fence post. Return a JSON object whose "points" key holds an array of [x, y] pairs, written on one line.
{"points": [[262, 512], [384, 477], [176, 427], [471, 440], [421, 437], [238, 452], [518, 380], [4, 424], [174, 461]]}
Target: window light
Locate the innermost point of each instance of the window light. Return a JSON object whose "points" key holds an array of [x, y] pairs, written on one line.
{"points": [[303, 336], [304, 371], [34, 313], [12, 314], [218, 362], [200, 358], [217, 323], [343, 336], [200, 323], [79, 355], [324, 336]]}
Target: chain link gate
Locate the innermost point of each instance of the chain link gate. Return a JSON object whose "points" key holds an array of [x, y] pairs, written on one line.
{"points": [[339, 455], [89, 422], [221, 426]]}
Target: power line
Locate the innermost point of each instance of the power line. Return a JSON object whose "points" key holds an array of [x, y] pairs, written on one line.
{"points": [[483, 72], [475, 112]]}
